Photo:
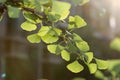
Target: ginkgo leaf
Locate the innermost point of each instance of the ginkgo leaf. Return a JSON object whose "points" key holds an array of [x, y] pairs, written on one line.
{"points": [[79, 22], [49, 38], [65, 55], [32, 17], [102, 64], [83, 46], [92, 67], [75, 67], [13, 12], [115, 44], [44, 30], [88, 56], [61, 8], [77, 38], [34, 38], [53, 17], [55, 49], [99, 75], [76, 22], [49, 34], [28, 26]]}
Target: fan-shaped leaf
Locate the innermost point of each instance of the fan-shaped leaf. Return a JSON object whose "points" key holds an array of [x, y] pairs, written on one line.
{"points": [[88, 56], [48, 38], [44, 30], [28, 26], [79, 22], [101, 64], [75, 67], [77, 38], [32, 17], [99, 75], [115, 44], [13, 12], [92, 67], [34, 38], [61, 8], [55, 49], [65, 55], [53, 17], [83, 46]]}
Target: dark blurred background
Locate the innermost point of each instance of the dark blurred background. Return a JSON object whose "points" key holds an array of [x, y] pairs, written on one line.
{"points": [[21, 60]]}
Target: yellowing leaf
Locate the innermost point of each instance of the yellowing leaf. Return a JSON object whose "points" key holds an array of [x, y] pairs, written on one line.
{"points": [[28, 26], [34, 38], [75, 67], [65, 55], [101, 64]]}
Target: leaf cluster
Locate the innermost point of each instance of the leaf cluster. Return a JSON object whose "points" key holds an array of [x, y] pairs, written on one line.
{"points": [[60, 39]]}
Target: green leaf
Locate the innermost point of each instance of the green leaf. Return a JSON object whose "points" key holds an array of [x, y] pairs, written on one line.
{"points": [[1, 1], [44, 30], [75, 67], [79, 22], [65, 55], [99, 75], [76, 22], [55, 49], [71, 47], [28, 26], [101, 64], [77, 38], [38, 6], [53, 17], [32, 17], [13, 12], [83, 46], [48, 29], [115, 44], [48, 38], [88, 56], [49, 34], [61, 8], [34, 38], [92, 67]]}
